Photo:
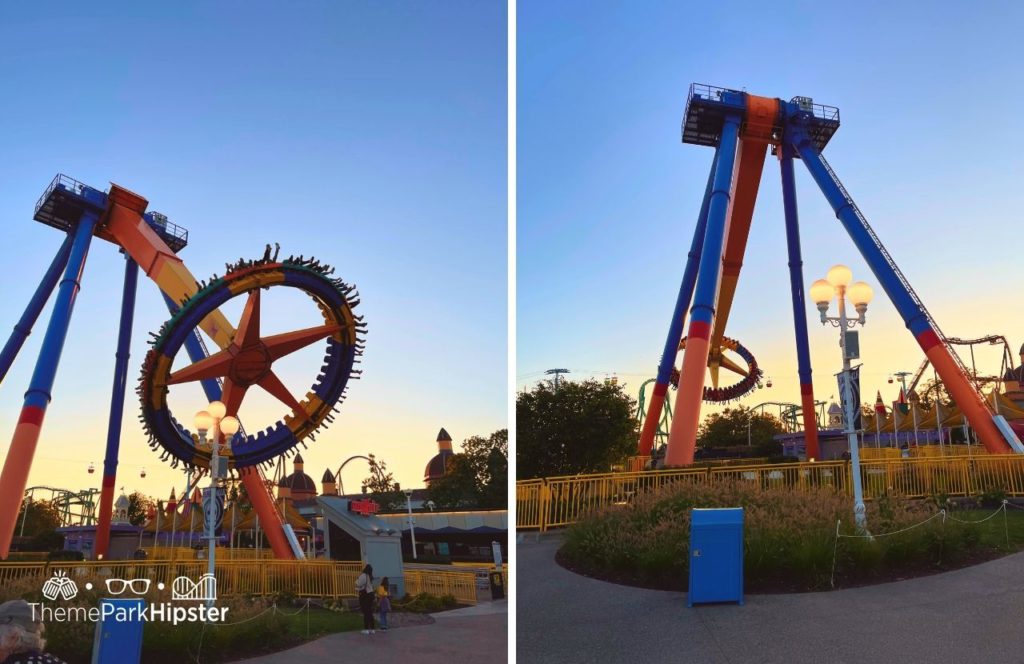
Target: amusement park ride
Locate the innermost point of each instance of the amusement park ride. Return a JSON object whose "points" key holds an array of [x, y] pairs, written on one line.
{"points": [[244, 359], [742, 127]]}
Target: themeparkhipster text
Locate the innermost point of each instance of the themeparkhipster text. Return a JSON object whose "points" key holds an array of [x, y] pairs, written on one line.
{"points": [[163, 612]]}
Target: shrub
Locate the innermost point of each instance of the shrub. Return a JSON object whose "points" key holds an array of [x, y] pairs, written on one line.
{"points": [[789, 537], [284, 598], [426, 603], [992, 496]]}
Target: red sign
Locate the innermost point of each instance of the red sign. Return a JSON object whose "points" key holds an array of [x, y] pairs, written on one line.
{"points": [[364, 507]]}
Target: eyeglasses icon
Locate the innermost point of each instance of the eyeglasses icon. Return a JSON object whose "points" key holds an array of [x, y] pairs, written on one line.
{"points": [[118, 586]]}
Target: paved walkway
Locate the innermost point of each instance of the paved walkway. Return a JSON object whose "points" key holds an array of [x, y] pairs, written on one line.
{"points": [[476, 633], [970, 615]]}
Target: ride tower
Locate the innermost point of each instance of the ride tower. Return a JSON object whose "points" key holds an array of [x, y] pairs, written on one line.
{"points": [[742, 127], [245, 358]]}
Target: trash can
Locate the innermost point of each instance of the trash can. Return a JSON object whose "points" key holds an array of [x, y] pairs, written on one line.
{"points": [[497, 585], [716, 556]]}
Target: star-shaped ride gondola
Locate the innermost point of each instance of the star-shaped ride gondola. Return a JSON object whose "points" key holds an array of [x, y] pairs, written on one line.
{"points": [[248, 360]]}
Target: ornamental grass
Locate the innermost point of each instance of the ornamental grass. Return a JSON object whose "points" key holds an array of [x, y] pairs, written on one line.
{"points": [[790, 541]]}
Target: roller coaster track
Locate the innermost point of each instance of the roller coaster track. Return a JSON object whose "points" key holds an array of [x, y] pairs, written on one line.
{"points": [[992, 340], [790, 414], [76, 508]]}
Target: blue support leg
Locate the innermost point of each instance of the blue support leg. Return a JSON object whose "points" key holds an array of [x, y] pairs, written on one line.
{"points": [[35, 306], [196, 352], [911, 309], [796, 285], [124, 338], [18, 463]]}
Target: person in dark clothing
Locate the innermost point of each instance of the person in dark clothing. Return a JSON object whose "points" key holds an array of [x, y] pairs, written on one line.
{"points": [[364, 588]]}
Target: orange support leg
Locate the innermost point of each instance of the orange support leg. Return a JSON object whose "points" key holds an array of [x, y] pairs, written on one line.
{"points": [[964, 395], [683, 435], [810, 422], [269, 518]]}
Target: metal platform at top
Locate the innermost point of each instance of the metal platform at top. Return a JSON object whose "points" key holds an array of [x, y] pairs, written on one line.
{"points": [[707, 106], [64, 201]]}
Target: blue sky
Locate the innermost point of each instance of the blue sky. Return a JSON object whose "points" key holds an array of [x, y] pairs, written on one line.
{"points": [[371, 135], [930, 147]]}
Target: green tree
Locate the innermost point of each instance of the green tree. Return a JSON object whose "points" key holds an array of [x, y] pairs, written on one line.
{"points": [[729, 428], [381, 487], [38, 517], [927, 391], [241, 493], [457, 488], [139, 506], [477, 477], [582, 427]]}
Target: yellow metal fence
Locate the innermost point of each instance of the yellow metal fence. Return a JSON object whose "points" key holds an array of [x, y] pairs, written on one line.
{"points": [[460, 585], [223, 553], [559, 501]]}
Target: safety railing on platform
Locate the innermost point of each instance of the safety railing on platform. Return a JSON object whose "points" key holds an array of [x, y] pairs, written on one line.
{"points": [[65, 182], [559, 501]]}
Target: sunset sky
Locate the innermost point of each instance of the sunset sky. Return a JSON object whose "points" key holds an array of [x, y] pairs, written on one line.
{"points": [[608, 196], [369, 135]]}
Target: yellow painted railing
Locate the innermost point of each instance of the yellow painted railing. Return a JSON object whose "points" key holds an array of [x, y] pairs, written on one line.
{"points": [[223, 553], [460, 585], [171, 552], [321, 578], [559, 501], [265, 577], [635, 464]]}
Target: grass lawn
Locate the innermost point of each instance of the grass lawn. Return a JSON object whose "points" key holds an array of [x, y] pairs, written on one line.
{"points": [[1005, 535], [318, 622]]}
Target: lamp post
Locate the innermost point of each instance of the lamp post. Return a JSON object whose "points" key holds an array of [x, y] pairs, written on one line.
{"points": [[213, 422], [837, 284], [412, 526]]}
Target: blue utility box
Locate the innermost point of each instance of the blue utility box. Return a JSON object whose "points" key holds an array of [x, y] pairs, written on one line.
{"points": [[118, 638], [716, 555]]}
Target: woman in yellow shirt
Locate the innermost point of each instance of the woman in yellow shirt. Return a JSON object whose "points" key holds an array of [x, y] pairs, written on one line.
{"points": [[384, 602]]}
